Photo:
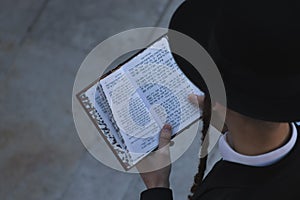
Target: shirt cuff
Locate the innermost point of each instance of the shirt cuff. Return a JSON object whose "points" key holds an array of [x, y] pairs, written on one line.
{"points": [[157, 194]]}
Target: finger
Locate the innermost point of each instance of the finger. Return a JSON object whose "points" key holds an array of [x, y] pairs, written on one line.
{"points": [[196, 99], [165, 136]]}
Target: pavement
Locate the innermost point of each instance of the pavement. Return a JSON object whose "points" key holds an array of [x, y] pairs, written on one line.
{"points": [[42, 44]]}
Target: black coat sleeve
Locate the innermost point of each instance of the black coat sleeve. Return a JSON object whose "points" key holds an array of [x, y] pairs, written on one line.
{"points": [[157, 194]]}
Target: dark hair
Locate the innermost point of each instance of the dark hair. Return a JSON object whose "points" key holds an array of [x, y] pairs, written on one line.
{"points": [[206, 117]]}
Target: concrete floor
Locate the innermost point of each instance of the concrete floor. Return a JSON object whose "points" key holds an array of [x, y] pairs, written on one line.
{"points": [[42, 44]]}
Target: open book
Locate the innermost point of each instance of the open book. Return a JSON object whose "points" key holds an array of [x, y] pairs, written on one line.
{"points": [[130, 104]]}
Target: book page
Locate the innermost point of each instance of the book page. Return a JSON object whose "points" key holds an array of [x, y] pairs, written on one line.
{"points": [[137, 126], [103, 108], [101, 117], [163, 86]]}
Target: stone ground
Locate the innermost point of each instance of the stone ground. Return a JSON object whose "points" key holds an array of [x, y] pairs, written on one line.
{"points": [[42, 44]]}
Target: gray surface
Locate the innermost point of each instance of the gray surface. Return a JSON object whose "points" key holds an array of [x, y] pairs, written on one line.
{"points": [[42, 44]]}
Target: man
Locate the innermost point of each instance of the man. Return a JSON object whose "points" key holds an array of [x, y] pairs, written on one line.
{"points": [[255, 45]]}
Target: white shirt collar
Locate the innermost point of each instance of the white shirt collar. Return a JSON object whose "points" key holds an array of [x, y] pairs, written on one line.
{"points": [[266, 159]]}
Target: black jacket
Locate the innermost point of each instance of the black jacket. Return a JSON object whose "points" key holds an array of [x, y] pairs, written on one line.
{"points": [[232, 181]]}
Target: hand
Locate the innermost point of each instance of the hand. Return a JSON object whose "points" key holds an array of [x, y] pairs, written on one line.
{"points": [[218, 110], [155, 169]]}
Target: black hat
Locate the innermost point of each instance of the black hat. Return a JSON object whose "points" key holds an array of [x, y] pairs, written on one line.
{"points": [[256, 47]]}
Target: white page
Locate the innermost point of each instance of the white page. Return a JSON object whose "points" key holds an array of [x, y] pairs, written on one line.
{"points": [[101, 105], [137, 126], [163, 86], [104, 122]]}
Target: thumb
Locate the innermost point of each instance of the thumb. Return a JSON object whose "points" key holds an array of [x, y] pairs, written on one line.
{"points": [[197, 100], [165, 136]]}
